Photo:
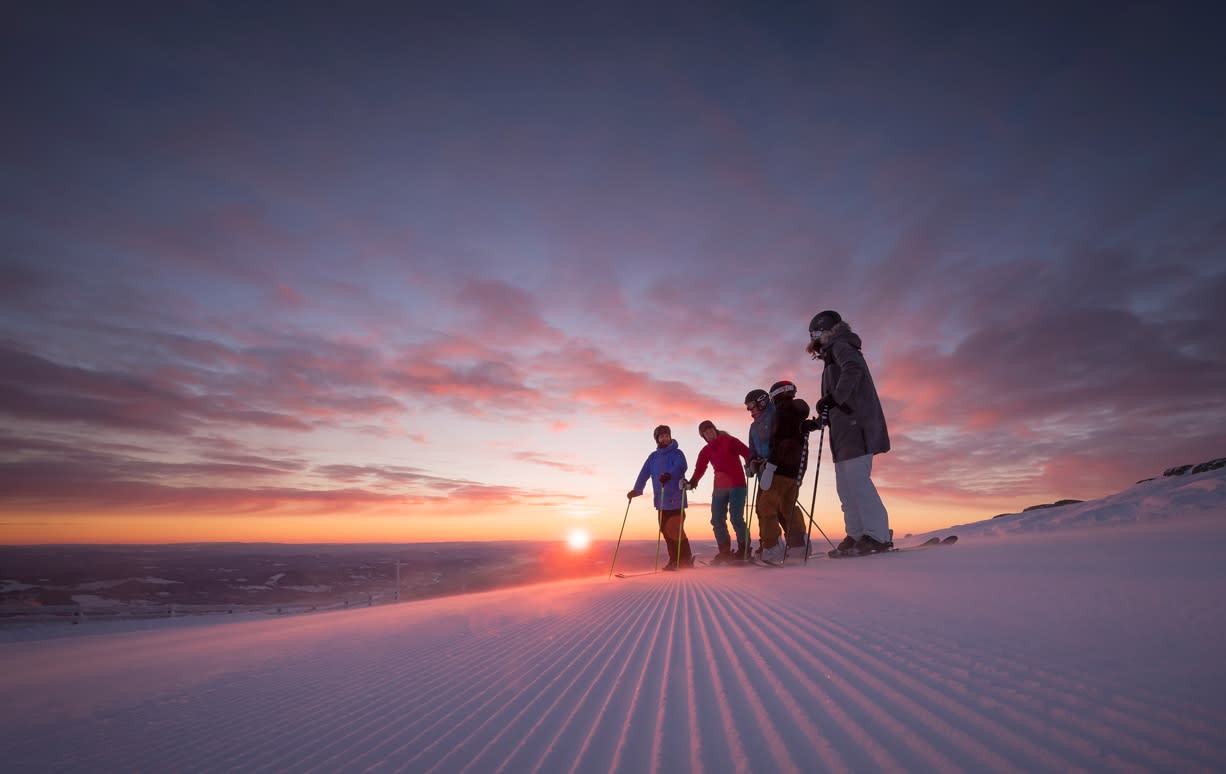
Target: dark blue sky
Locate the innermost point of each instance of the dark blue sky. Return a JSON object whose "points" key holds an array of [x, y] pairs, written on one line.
{"points": [[333, 273]]}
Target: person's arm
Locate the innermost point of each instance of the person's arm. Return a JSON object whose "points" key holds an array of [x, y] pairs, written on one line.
{"points": [[741, 449], [679, 465], [851, 372], [700, 467], [644, 474]]}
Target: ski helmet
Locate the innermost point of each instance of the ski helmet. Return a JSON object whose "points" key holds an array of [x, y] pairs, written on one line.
{"points": [[783, 387], [655, 434], [823, 321], [756, 398]]}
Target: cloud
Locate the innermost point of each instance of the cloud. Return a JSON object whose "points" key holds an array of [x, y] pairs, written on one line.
{"points": [[501, 314], [40, 475], [537, 458]]}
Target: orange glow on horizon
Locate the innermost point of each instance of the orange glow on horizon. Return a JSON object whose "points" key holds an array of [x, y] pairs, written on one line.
{"points": [[422, 524]]}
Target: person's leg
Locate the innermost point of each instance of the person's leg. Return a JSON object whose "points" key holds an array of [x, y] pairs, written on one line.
{"points": [[768, 517], [795, 519], [736, 506], [669, 522], [719, 518], [687, 556], [845, 476], [874, 520]]}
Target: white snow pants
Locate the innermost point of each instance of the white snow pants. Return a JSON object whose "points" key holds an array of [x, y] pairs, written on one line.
{"points": [[863, 511]]}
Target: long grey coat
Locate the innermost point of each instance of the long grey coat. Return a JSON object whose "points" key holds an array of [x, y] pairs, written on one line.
{"points": [[847, 380]]}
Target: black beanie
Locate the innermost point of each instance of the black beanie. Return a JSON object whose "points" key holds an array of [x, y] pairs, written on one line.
{"points": [[824, 321]]}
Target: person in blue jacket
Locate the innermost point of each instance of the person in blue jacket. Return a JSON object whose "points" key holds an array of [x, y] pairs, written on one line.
{"points": [[666, 468], [762, 410]]}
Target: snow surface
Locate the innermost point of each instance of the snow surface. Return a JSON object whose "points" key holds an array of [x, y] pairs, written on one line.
{"points": [[1088, 637]]}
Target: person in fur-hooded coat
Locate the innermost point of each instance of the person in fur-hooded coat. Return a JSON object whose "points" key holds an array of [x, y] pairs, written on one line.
{"points": [[851, 408]]}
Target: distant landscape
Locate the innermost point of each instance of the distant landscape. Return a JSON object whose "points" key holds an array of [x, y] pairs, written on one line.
{"points": [[91, 582]]}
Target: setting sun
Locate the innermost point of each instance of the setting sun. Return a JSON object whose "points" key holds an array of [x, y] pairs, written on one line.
{"points": [[578, 539]]}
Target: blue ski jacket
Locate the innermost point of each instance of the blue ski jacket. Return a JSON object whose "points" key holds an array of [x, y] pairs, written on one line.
{"points": [[760, 432], [670, 459]]}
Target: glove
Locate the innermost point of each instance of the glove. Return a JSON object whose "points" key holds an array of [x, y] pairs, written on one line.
{"points": [[665, 477], [749, 471], [632, 494], [687, 484], [825, 404], [768, 477], [813, 425], [757, 464]]}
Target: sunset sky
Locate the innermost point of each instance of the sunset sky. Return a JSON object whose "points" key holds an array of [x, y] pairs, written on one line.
{"points": [[412, 271]]}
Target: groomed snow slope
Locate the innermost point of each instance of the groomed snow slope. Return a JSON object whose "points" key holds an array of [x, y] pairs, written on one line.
{"points": [[1093, 643]]}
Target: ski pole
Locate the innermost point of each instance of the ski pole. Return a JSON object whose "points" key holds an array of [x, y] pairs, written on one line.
{"points": [[753, 507], [819, 527], [681, 523], [817, 469], [619, 538], [659, 533]]}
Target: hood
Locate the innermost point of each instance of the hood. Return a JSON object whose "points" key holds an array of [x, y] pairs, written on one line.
{"points": [[840, 331]]}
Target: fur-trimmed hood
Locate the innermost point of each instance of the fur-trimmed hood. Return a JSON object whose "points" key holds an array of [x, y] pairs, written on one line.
{"points": [[821, 347]]}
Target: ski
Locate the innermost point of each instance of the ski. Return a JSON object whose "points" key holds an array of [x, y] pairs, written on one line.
{"points": [[756, 562], [633, 574], [930, 543]]}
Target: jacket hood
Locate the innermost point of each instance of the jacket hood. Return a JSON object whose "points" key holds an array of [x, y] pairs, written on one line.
{"points": [[840, 331]]}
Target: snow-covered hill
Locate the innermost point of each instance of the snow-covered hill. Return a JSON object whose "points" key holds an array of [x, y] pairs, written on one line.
{"points": [[1082, 638]]}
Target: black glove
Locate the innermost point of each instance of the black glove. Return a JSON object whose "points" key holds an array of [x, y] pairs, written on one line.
{"points": [[826, 403], [814, 424], [665, 477]]}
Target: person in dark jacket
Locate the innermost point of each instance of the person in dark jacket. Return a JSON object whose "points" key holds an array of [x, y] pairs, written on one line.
{"points": [[779, 481], [852, 410], [666, 468]]}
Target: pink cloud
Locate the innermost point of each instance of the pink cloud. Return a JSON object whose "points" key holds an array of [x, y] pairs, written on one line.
{"points": [[552, 462], [500, 313]]}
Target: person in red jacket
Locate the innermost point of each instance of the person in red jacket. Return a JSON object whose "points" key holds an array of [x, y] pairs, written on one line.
{"points": [[724, 452]]}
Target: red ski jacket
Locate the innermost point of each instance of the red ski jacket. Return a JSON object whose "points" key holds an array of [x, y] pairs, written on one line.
{"points": [[723, 454]]}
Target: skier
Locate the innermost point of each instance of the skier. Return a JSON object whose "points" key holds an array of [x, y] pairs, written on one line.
{"points": [[762, 413], [760, 408], [850, 407], [779, 482], [724, 451], [666, 468]]}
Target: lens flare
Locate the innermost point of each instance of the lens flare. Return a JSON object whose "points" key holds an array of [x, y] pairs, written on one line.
{"points": [[578, 539]]}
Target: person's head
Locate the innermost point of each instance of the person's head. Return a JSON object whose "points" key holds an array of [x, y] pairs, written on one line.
{"points": [[663, 435], [755, 402], [782, 392], [821, 324], [707, 430]]}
